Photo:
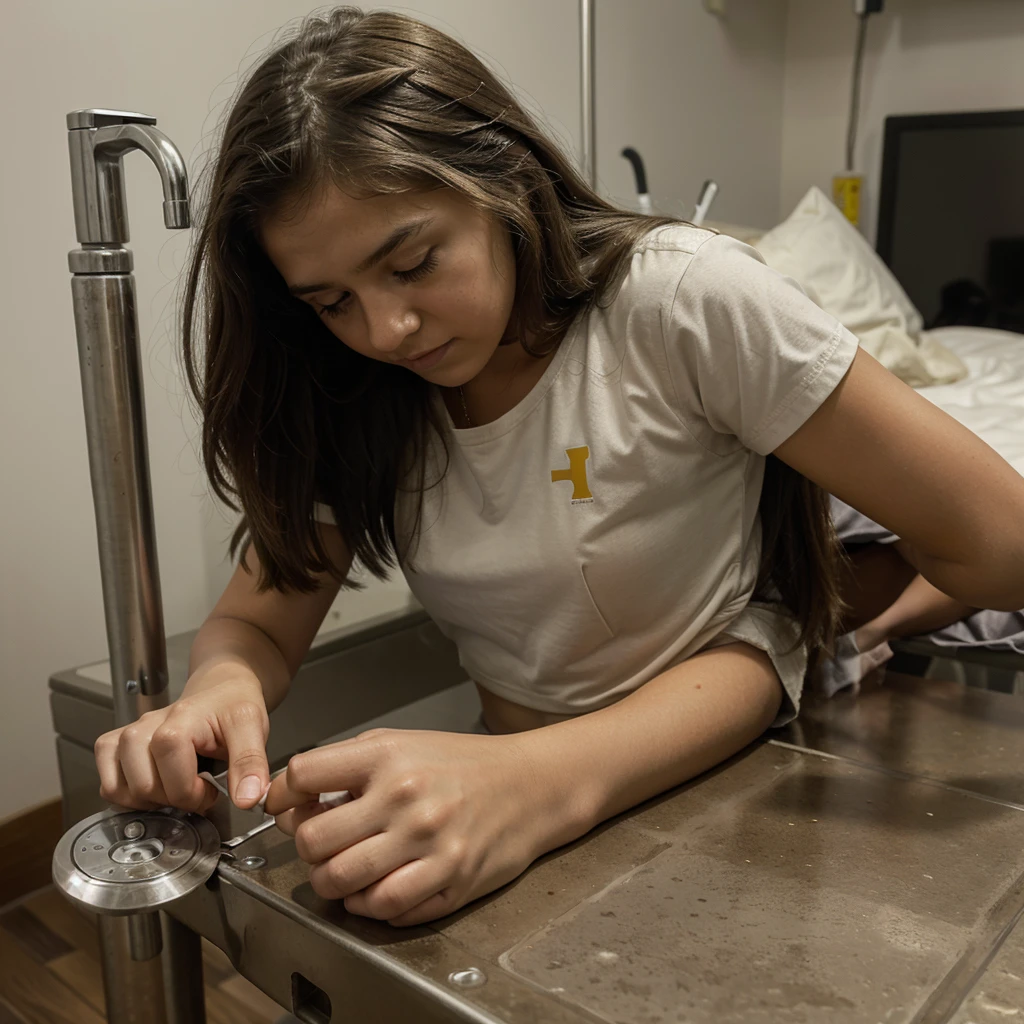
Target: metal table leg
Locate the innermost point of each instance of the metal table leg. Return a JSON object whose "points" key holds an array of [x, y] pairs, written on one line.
{"points": [[182, 964], [133, 988]]}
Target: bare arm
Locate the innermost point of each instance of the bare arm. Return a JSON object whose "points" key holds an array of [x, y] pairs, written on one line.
{"points": [[919, 609], [262, 635], [958, 505], [450, 817], [241, 666], [680, 724]]}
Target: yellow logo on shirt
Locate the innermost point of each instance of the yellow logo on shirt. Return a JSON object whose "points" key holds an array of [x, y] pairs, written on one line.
{"points": [[576, 474]]}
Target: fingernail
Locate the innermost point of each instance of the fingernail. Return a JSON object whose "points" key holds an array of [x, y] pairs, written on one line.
{"points": [[249, 788]]}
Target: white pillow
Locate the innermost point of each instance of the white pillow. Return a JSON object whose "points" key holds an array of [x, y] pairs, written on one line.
{"points": [[833, 262]]}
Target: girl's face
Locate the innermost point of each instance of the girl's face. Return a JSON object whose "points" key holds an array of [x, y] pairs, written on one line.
{"points": [[422, 279]]}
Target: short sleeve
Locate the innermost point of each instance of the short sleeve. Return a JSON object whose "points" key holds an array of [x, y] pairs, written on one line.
{"points": [[747, 351]]}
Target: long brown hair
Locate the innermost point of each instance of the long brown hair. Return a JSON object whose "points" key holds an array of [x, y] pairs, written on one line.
{"points": [[382, 103]]}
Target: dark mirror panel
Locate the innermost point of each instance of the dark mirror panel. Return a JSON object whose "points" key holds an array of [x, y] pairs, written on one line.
{"points": [[951, 217]]}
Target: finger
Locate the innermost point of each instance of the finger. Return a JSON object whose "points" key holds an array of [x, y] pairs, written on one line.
{"points": [[289, 821], [245, 733], [211, 794], [399, 892], [441, 904], [123, 798], [174, 754], [282, 797], [356, 868], [108, 766], [326, 833], [139, 767], [346, 765]]}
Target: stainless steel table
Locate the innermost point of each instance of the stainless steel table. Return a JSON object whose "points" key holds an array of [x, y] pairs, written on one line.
{"points": [[864, 865]]}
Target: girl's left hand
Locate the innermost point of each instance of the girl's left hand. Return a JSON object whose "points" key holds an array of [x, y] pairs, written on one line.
{"points": [[437, 820]]}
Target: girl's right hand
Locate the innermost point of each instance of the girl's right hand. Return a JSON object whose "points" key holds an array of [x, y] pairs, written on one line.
{"points": [[153, 761]]}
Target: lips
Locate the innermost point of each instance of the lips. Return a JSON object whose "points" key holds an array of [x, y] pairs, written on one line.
{"points": [[422, 355], [427, 359]]}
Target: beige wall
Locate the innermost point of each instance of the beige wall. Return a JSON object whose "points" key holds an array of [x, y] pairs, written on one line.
{"points": [[671, 76], [698, 97], [923, 56], [178, 62]]}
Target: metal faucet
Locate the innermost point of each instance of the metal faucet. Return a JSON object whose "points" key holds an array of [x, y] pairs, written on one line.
{"points": [[152, 964], [98, 140]]}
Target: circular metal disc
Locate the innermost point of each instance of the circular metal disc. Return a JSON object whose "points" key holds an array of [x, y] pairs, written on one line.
{"points": [[121, 862]]}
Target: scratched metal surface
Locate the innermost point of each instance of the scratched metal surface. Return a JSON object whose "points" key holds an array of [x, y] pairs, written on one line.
{"points": [[875, 878], [997, 997], [961, 735]]}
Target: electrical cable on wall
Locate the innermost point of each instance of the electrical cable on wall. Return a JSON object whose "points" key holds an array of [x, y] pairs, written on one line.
{"points": [[846, 187], [858, 72]]}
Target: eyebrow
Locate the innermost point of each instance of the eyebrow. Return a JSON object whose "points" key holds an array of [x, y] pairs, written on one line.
{"points": [[397, 237]]}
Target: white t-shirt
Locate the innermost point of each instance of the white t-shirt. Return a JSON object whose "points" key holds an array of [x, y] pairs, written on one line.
{"points": [[606, 527]]}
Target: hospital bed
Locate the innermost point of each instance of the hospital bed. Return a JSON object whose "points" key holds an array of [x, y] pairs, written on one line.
{"points": [[990, 400]]}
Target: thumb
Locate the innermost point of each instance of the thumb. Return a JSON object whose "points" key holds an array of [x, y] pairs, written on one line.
{"points": [[248, 770]]}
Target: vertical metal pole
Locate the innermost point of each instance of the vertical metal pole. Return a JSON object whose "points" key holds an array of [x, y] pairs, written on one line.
{"points": [[183, 985], [136, 957], [133, 988], [588, 104], [115, 426]]}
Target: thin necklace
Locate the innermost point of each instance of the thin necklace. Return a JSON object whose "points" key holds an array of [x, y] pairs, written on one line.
{"points": [[465, 409]]}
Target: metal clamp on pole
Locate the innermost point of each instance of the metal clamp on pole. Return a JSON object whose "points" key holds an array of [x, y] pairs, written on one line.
{"points": [[152, 970]]}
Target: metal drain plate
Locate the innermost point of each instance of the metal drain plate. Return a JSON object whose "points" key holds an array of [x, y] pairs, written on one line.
{"points": [[122, 861]]}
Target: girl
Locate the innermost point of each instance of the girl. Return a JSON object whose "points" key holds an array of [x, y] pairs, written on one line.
{"points": [[594, 442]]}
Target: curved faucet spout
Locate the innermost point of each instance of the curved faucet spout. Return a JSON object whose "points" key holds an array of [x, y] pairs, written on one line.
{"points": [[98, 140], [120, 139]]}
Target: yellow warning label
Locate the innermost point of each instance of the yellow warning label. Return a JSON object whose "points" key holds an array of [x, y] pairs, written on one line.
{"points": [[846, 194]]}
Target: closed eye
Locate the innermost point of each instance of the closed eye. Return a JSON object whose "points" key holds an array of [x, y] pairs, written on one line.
{"points": [[421, 270]]}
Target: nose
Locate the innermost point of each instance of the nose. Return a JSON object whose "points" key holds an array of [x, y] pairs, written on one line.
{"points": [[389, 322]]}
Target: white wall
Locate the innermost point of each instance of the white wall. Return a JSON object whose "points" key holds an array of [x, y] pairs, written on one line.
{"points": [[923, 56], [670, 77], [698, 97]]}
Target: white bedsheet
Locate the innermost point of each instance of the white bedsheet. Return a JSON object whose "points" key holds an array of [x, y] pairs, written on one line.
{"points": [[991, 399]]}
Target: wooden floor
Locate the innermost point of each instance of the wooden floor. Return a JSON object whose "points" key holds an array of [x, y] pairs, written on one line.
{"points": [[50, 970]]}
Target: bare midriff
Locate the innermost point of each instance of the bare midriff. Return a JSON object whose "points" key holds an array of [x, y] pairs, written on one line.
{"points": [[505, 716]]}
